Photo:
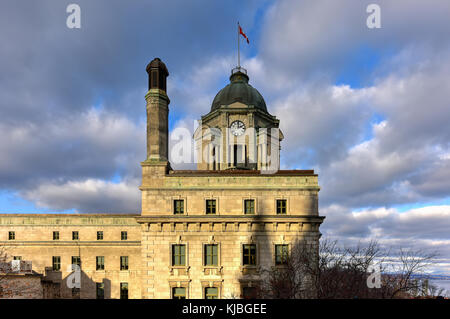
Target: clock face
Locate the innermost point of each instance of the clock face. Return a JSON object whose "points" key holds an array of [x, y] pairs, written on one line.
{"points": [[237, 128]]}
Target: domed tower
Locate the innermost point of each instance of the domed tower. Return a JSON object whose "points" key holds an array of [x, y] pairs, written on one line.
{"points": [[238, 132]]}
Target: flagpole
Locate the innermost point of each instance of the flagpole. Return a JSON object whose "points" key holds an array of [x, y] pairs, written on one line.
{"points": [[239, 54]]}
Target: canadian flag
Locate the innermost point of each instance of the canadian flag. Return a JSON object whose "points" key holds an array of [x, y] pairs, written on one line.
{"points": [[243, 34]]}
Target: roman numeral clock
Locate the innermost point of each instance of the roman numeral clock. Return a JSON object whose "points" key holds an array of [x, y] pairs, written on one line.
{"points": [[237, 128]]}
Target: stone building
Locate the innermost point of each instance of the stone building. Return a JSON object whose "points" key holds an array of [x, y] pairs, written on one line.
{"points": [[204, 233], [19, 281]]}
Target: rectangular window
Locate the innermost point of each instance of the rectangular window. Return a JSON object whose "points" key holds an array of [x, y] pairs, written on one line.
{"points": [[100, 290], [123, 290], [17, 258], [249, 254], [124, 235], [178, 293], [239, 152], [56, 263], [178, 206], [100, 263], [76, 260], [154, 83], [178, 255], [99, 235], [214, 158], [245, 155], [123, 262], [211, 255], [281, 206], [211, 293], [249, 206], [56, 235], [281, 254], [12, 235], [75, 235], [210, 206]]}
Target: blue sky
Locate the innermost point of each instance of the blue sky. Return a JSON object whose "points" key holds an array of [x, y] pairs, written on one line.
{"points": [[366, 108]]}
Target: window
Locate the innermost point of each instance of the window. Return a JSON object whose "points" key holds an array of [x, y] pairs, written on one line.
{"points": [[99, 235], [17, 258], [12, 235], [76, 260], [239, 154], [123, 262], [154, 83], [100, 290], [75, 235], [123, 290], [178, 255], [249, 206], [178, 206], [281, 206], [56, 235], [281, 254], [100, 263], [124, 235], [249, 254], [56, 263], [211, 293], [178, 293], [249, 293], [211, 255], [210, 206]]}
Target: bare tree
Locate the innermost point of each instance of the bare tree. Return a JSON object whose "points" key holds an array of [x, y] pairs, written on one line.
{"points": [[435, 291], [401, 271], [343, 271], [3, 268], [291, 279], [331, 271]]}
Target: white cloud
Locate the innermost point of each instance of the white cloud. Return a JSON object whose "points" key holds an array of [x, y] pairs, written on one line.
{"points": [[60, 153], [423, 228], [88, 196], [92, 146], [309, 38], [328, 120], [192, 93]]}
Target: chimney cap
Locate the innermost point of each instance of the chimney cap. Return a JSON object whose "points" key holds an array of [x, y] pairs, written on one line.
{"points": [[156, 63]]}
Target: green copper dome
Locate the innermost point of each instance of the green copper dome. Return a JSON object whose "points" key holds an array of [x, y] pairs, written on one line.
{"points": [[239, 91]]}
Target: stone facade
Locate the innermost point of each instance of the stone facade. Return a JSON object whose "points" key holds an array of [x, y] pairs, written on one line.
{"points": [[230, 228], [21, 286], [33, 241], [201, 232]]}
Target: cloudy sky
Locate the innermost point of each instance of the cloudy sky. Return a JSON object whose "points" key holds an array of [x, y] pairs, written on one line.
{"points": [[368, 109]]}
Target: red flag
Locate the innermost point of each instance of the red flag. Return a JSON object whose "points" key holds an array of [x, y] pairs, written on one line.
{"points": [[243, 34]]}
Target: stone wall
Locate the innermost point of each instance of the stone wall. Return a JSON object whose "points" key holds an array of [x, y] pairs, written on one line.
{"points": [[34, 241], [229, 227], [230, 276], [21, 286]]}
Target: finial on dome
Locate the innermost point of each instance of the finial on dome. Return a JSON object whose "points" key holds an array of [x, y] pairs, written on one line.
{"points": [[239, 74]]}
